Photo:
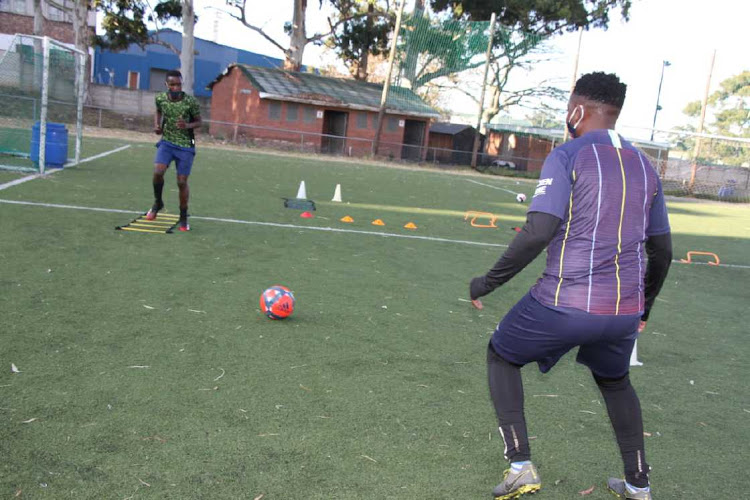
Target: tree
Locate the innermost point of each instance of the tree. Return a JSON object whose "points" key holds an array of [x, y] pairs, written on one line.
{"points": [[187, 55], [358, 37], [125, 22], [730, 107], [296, 29]]}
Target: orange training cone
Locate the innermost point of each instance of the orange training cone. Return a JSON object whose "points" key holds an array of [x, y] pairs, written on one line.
{"points": [[378, 222], [410, 225], [347, 219]]}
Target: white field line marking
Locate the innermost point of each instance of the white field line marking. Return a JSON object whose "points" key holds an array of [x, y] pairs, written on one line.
{"points": [[31, 177], [106, 153], [268, 224], [491, 186], [311, 228]]}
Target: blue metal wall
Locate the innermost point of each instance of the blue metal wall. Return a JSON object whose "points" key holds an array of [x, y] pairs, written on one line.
{"points": [[210, 61]]}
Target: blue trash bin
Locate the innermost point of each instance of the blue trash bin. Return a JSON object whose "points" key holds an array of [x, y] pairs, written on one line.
{"points": [[56, 147]]}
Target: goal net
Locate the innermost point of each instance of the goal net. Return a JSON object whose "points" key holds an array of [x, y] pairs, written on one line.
{"points": [[41, 104]]}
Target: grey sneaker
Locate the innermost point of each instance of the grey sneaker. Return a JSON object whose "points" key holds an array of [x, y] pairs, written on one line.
{"points": [[515, 484], [618, 488]]}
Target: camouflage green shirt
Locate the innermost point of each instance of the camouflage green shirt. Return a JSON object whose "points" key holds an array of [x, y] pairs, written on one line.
{"points": [[171, 111]]}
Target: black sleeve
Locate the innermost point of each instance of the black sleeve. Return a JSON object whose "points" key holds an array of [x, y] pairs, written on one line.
{"points": [[659, 251], [534, 237]]}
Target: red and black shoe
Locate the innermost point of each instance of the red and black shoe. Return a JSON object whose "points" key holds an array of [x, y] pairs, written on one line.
{"points": [[183, 225], [151, 214]]}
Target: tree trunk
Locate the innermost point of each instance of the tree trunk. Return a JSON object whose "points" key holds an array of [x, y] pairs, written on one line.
{"points": [[38, 18], [494, 108], [187, 55], [297, 38], [364, 58], [82, 37]]}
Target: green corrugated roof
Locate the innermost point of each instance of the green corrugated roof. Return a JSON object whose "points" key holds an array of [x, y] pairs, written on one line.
{"points": [[340, 92]]}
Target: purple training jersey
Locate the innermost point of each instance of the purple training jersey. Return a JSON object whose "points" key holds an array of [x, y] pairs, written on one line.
{"points": [[610, 200]]}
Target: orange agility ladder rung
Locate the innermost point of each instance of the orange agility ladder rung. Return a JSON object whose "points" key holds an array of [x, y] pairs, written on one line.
{"points": [[690, 254], [475, 215]]}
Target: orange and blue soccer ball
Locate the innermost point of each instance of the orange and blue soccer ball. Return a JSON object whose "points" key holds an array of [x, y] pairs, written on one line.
{"points": [[277, 302]]}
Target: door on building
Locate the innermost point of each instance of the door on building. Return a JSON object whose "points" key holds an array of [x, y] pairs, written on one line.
{"points": [[156, 79], [133, 80], [334, 128], [413, 140]]}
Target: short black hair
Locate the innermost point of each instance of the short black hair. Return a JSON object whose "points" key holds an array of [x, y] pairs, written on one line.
{"points": [[602, 87], [174, 72]]}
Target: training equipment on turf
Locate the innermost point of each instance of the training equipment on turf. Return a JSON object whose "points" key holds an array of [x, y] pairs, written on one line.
{"points": [[475, 215], [689, 259], [277, 302], [41, 92], [337, 193], [347, 218], [302, 191], [378, 222], [520, 197], [619, 488], [518, 482], [410, 225], [164, 224], [306, 215], [634, 356]]}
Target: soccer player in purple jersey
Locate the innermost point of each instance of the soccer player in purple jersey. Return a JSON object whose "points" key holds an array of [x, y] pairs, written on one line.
{"points": [[600, 212]]}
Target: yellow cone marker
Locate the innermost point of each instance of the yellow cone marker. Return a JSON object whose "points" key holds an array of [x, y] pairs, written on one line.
{"points": [[410, 225], [347, 219], [378, 222]]}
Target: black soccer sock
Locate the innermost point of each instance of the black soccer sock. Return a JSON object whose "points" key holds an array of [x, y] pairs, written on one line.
{"points": [[158, 190], [183, 213], [624, 410], [506, 390]]}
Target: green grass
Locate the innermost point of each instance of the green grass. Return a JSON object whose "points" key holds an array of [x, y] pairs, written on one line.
{"points": [[375, 388]]}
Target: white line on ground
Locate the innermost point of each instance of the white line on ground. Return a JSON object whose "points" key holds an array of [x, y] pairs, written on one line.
{"points": [[16, 182], [311, 228], [491, 186], [268, 224]]}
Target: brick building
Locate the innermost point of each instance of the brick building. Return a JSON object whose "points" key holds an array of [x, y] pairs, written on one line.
{"points": [[17, 16], [452, 143], [330, 115], [525, 148]]}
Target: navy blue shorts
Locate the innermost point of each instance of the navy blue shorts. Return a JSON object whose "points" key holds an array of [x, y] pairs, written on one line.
{"points": [[533, 332], [183, 157]]}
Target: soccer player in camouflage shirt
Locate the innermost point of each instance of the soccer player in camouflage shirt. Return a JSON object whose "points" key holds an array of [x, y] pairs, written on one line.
{"points": [[177, 116], [599, 210]]}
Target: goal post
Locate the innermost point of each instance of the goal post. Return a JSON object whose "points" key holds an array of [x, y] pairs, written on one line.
{"points": [[42, 84]]}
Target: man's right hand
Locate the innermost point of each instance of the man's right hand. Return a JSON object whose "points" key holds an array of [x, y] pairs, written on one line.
{"points": [[641, 326]]}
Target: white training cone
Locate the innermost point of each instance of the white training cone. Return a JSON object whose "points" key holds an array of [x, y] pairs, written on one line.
{"points": [[634, 356], [302, 192], [337, 193]]}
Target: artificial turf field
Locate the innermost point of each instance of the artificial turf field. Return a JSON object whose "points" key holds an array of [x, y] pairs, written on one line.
{"points": [[148, 371]]}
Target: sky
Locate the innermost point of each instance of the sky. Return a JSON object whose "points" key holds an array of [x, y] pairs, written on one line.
{"points": [[683, 32]]}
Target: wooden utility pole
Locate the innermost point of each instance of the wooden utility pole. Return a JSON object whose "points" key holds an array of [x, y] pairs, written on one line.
{"points": [[387, 83], [478, 131], [704, 105]]}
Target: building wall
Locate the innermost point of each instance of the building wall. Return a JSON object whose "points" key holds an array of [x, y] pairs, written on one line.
{"points": [[234, 100], [111, 68], [440, 142], [11, 23]]}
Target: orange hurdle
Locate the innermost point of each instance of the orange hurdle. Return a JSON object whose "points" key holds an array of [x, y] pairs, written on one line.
{"points": [[690, 254], [475, 215]]}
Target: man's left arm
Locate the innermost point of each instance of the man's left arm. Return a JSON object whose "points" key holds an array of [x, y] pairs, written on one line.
{"points": [[534, 237]]}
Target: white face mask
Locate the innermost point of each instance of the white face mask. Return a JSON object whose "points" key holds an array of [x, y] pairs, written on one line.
{"points": [[572, 128]]}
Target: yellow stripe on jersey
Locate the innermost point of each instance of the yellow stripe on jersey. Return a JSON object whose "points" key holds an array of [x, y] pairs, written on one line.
{"points": [[619, 233], [567, 231]]}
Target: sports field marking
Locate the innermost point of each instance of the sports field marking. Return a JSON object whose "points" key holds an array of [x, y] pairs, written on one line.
{"points": [[268, 224], [50, 172], [491, 186], [313, 228]]}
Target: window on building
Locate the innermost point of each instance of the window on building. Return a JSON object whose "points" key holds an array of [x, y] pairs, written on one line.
{"points": [[309, 114], [274, 110], [19, 7], [362, 120], [392, 124], [292, 112]]}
